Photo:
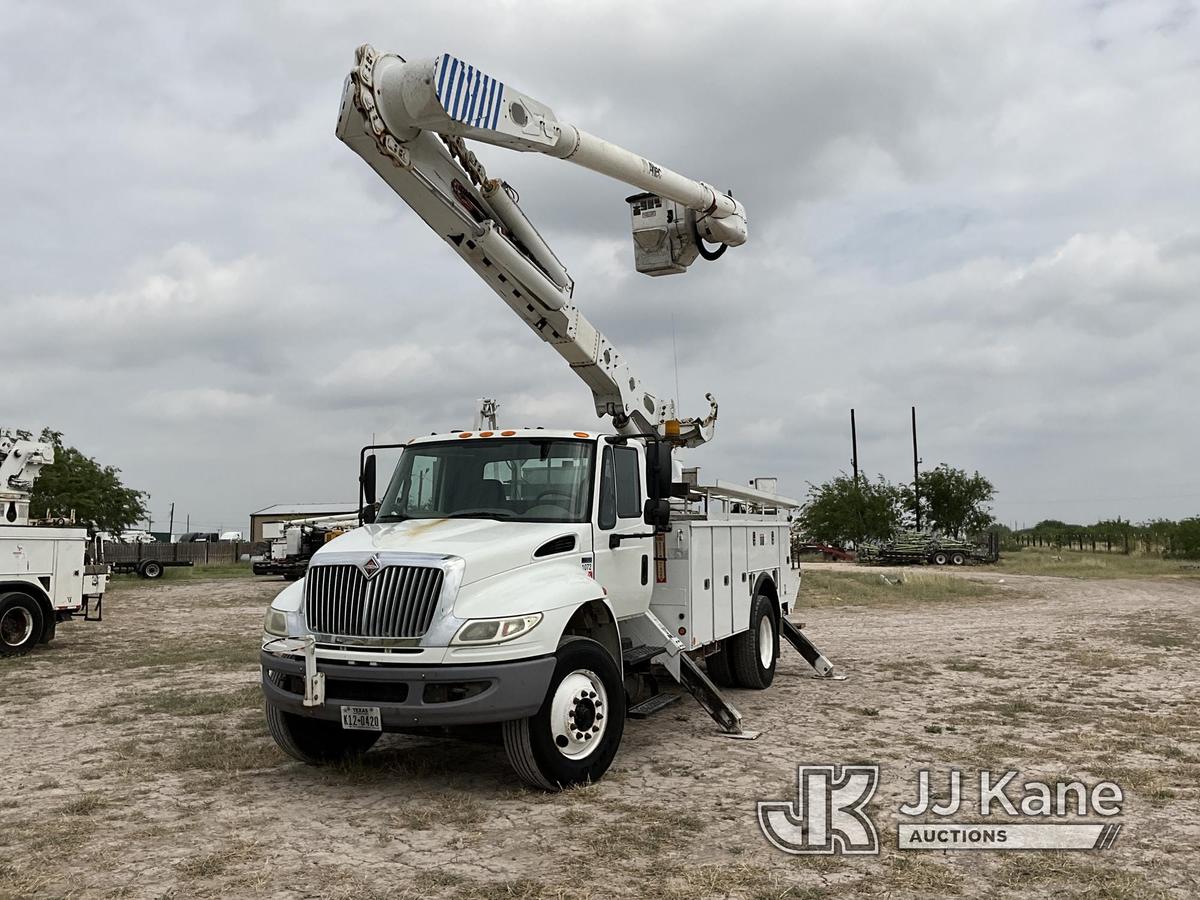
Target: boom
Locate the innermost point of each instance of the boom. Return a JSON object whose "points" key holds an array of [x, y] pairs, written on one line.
{"points": [[21, 460], [408, 120]]}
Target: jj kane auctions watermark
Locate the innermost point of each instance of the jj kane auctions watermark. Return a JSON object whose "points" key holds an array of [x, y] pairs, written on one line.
{"points": [[831, 814]]}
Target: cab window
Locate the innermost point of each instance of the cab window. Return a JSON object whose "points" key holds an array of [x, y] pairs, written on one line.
{"points": [[607, 517], [629, 488]]}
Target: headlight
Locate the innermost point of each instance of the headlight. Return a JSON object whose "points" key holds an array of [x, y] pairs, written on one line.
{"points": [[495, 631], [276, 622]]}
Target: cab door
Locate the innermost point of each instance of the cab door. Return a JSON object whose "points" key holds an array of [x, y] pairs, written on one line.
{"points": [[623, 567]]}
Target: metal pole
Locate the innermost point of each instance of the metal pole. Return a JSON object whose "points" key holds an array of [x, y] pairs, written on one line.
{"points": [[854, 446], [171, 521], [916, 473]]}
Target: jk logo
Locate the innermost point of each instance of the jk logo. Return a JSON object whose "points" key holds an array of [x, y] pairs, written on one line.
{"points": [[829, 815]]}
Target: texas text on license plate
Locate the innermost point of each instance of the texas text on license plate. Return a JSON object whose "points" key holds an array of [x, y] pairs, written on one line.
{"points": [[361, 718]]}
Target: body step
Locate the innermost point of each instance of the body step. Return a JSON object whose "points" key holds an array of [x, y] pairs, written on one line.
{"points": [[650, 707], [635, 656]]}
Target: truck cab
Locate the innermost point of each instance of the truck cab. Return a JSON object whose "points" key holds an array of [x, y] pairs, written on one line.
{"points": [[493, 581]]}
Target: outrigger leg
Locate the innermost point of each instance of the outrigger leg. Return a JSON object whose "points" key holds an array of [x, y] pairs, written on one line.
{"points": [[806, 648], [665, 649]]}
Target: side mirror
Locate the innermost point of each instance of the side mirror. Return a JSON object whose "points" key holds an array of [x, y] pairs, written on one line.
{"points": [[366, 481], [658, 469], [657, 513]]}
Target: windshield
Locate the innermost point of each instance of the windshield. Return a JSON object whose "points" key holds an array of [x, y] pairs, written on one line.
{"points": [[532, 480]]}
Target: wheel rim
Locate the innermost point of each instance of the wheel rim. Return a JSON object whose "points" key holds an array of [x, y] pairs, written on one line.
{"points": [[16, 625], [579, 714], [766, 642]]}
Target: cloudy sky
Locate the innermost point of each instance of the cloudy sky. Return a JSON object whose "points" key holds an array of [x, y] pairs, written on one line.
{"points": [[988, 210]]}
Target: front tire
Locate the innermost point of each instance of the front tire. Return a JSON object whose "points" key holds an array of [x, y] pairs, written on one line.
{"points": [[22, 624], [316, 741], [573, 738], [754, 653]]}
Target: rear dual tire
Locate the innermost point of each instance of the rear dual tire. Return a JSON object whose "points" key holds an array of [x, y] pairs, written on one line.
{"points": [[754, 653], [22, 623]]}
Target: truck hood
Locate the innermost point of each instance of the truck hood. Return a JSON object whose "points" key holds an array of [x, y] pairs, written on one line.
{"points": [[488, 546]]}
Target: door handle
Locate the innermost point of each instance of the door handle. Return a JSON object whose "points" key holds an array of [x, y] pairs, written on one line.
{"points": [[614, 540]]}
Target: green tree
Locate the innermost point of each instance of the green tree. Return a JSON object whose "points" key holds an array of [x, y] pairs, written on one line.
{"points": [[952, 502], [95, 492], [841, 510]]}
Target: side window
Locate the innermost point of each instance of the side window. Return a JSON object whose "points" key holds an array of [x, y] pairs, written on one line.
{"points": [[629, 488], [607, 517]]}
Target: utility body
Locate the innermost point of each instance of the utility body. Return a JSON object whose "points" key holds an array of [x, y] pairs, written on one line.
{"points": [[46, 574], [541, 580]]}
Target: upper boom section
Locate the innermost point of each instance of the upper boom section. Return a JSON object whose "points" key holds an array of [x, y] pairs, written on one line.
{"points": [[410, 129], [445, 95]]}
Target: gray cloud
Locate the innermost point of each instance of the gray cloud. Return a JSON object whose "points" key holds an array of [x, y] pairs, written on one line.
{"points": [[986, 210]]}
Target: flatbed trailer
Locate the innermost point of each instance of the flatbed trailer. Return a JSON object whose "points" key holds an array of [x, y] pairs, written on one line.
{"points": [[147, 568]]}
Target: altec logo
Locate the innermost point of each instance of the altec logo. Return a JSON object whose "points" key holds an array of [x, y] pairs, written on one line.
{"points": [[829, 815]]}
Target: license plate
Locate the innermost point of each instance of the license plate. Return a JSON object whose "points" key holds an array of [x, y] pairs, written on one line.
{"points": [[361, 718]]}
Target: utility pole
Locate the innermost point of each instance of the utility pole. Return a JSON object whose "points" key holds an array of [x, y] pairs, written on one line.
{"points": [[188, 525], [171, 521], [916, 473], [854, 446], [862, 521]]}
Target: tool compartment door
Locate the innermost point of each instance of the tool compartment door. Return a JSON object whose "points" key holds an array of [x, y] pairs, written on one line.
{"points": [[702, 585], [739, 537], [68, 574], [722, 582]]}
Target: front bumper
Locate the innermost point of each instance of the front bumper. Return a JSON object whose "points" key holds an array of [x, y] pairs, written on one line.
{"points": [[410, 696]]}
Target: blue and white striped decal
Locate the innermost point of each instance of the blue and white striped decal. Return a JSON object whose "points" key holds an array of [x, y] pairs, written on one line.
{"points": [[467, 94]]}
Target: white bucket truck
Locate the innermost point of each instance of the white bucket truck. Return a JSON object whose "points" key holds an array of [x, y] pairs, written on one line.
{"points": [[530, 578], [45, 576]]}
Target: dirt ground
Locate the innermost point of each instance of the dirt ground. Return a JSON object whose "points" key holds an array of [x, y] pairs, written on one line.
{"points": [[134, 761]]}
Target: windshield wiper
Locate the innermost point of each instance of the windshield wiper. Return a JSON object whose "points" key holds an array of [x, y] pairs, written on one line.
{"points": [[481, 514], [393, 517]]}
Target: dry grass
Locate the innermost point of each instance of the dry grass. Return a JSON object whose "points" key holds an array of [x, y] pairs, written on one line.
{"points": [[1072, 875], [1082, 564], [820, 589]]}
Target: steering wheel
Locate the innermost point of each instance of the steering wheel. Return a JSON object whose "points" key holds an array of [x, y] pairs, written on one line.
{"points": [[566, 495]]}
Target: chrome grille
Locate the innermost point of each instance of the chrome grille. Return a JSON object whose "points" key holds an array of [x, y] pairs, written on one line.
{"points": [[399, 602]]}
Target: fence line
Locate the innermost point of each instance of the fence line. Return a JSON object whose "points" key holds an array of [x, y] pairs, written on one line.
{"points": [[199, 553]]}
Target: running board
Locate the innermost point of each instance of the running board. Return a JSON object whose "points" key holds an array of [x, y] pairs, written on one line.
{"points": [[647, 708], [806, 648]]}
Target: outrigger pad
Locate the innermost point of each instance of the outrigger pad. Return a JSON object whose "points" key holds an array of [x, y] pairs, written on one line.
{"points": [[741, 735]]}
